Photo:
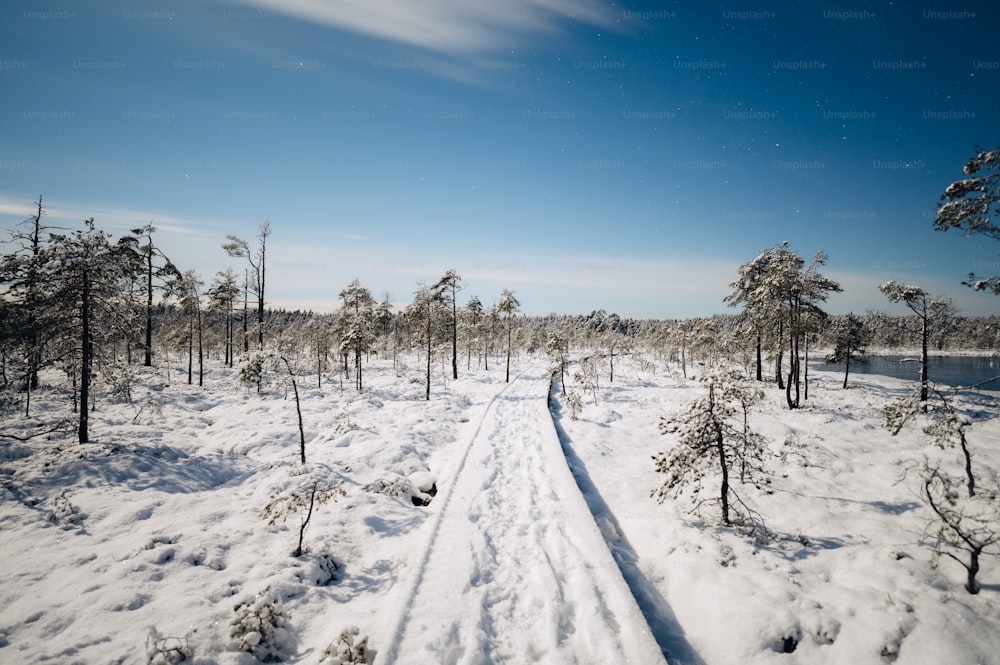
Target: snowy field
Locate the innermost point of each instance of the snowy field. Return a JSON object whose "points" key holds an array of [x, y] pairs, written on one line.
{"points": [[539, 541]]}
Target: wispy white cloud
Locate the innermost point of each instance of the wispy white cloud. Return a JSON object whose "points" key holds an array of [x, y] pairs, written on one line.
{"points": [[70, 213], [442, 26]]}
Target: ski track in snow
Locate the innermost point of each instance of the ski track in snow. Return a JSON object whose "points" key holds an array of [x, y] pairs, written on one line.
{"points": [[515, 569]]}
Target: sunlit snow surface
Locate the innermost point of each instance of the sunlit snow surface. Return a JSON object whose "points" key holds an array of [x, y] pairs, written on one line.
{"points": [[156, 525]]}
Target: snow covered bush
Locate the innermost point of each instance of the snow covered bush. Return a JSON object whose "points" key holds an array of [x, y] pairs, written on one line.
{"points": [[403, 487], [968, 526], [713, 436], [350, 647], [586, 378], [557, 350], [162, 650], [260, 627], [148, 413], [946, 426], [64, 513], [320, 569], [304, 497], [574, 403]]}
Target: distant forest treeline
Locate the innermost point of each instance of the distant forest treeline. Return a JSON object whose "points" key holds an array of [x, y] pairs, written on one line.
{"points": [[92, 309]]}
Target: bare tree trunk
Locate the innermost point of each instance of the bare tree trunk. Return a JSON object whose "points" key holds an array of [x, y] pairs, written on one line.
{"points": [[265, 231], [508, 348], [201, 351], [305, 522], [923, 357], [805, 372], [429, 346], [148, 360], [86, 357], [246, 306], [779, 355], [454, 331], [971, 585], [760, 374], [847, 365]]}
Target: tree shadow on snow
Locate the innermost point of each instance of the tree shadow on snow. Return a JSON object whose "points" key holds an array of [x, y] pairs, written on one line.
{"points": [[878, 506], [666, 630], [139, 467]]}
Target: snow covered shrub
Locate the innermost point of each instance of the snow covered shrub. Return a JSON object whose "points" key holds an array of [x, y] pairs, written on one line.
{"points": [[586, 378], [557, 350], [161, 650], [304, 497], [148, 413], [119, 380], [64, 513], [574, 403], [968, 525], [962, 525], [349, 648], [403, 487], [252, 372], [947, 427], [344, 423], [713, 436], [318, 569], [260, 627]]}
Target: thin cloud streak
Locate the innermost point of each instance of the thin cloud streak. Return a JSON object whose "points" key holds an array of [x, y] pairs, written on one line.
{"points": [[72, 213], [443, 26]]}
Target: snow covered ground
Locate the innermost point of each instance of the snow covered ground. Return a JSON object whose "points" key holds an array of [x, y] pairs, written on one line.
{"points": [[846, 575], [150, 539]]}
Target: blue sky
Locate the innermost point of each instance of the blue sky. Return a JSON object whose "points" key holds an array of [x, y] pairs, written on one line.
{"points": [[585, 154]]}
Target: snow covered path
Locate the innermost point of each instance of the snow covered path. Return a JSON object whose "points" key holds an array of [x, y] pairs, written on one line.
{"points": [[514, 568]]}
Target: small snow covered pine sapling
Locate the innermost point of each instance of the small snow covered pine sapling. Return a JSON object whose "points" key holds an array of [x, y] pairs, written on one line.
{"points": [[260, 627], [557, 350], [961, 524], [947, 427], [162, 650], [305, 497], [969, 525], [712, 436], [586, 378], [349, 648]]}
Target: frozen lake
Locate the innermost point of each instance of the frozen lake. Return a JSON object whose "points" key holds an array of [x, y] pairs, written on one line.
{"points": [[948, 370]]}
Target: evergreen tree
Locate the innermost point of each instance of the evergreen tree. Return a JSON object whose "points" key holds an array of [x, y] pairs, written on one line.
{"points": [[222, 297], [924, 306], [83, 274], [849, 340], [424, 312], [187, 290], [972, 205], [712, 436], [778, 288], [474, 328], [25, 315], [164, 272], [357, 324], [238, 247], [507, 306], [447, 289]]}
